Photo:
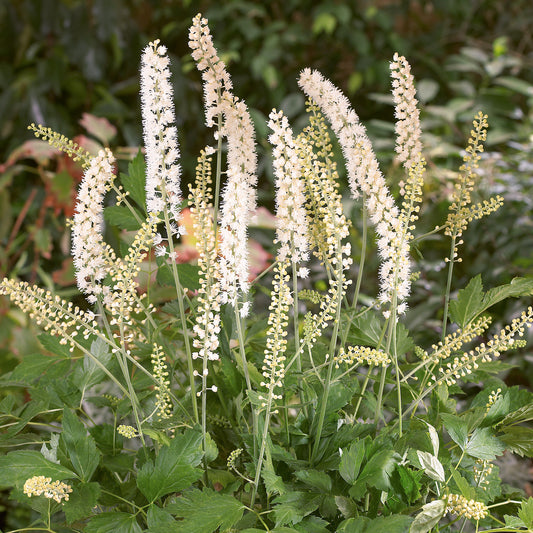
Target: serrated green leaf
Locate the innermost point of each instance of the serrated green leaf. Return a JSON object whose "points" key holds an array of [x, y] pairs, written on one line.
{"points": [[188, 274], [517, 288], [523, 414], [134, 181], [292, 507], [113, 523], [81, 502], [513, 522], [91, 373], [205, 511], [80, 446], [431, 466], [161, 521], [53, 345], [351, 461], [526, 512], [273, 483], [312, 524], [462, 484], [457, 429], [376, 473], [410, 482], [29, 411], [468, 304], [482, 444], [121, 217], [174, 468], [32, 367], [315, 480], [383, 524], [429, 517], [518, 439], [16, 467]]}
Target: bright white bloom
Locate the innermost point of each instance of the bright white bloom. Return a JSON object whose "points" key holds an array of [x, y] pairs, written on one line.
{"points": [[239, 197], [292, 232], [364, 175], [160, 133], [88, 249], [408, 145]]}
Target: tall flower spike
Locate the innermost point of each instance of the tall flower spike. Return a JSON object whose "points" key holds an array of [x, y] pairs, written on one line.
{"points": [[290, 198], [364, 175], [88, 248], [160, 133], [408, 144], [239, 197]]}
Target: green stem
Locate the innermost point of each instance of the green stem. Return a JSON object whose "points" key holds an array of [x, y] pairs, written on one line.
{"points": [[448, 288], [363, 255]]}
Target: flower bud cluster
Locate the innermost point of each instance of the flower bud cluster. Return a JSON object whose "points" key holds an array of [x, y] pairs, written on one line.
{"points": [[163, 403], [232, 457], [274, 362], [160, 133], [357, 355], [62, 143], [290, 198], [454, 341], [53, 490], [460, 506], [207, 325], [408, 145], [482, 470], [57, 316], [505, 340], [127, 431]]}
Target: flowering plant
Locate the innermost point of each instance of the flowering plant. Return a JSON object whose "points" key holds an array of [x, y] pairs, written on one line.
{"points": [[171, 402]]}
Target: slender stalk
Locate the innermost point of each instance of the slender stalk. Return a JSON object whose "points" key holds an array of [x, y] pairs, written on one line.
{"points": [[363, 254], [448, 288]]}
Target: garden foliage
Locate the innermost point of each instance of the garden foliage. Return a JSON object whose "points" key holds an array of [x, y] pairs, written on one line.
{"points": [[201, 398]]}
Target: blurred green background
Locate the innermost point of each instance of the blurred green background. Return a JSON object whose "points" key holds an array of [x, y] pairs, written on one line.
{"points": [[63, 59]]}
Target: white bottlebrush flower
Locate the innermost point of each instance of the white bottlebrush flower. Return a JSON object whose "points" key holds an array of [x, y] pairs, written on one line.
{"points": [[408, 144], [239, 197], [364, 175], [292, 232], [160, 133], [88, 248]]}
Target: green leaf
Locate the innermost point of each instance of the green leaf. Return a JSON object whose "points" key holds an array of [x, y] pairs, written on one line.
{"points": [[484, 445], [376, 473], [91, 373], [324, 23], [383, 524], [513, 522], [80, 446], [315, 480], [161, 521], [429, 517], [17, 467], [469, 303], [205, 511], [410, 482], [53, 345], [81, 502], [517, 288], [431, 466], [33, 367], [457, 429], [464, 487], [312, 524], [351, 461], [292, 507], [523, 414], [273, 483], [134, 181], [526, 512], [518, 439], [188, 274], [113, 523], [121, 217], [174, 469]]}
